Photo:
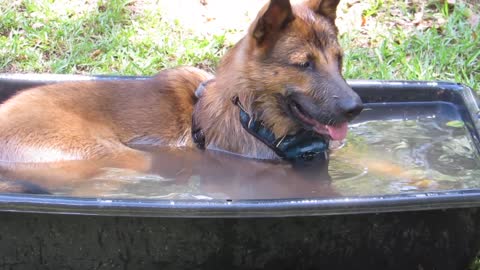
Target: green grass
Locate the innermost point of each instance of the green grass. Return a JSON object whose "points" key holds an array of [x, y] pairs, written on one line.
{"points": [[113, 37], [449, 52], [107, 38]]}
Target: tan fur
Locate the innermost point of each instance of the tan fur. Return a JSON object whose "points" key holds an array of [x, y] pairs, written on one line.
{"points": [[89, 125], [246, 71], [71, 123]]}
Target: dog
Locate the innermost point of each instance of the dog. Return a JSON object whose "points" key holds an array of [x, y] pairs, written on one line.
{"points": [[282, 81]]}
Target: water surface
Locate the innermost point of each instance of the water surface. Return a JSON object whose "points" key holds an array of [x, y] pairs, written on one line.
{"points": [[390, 149]]}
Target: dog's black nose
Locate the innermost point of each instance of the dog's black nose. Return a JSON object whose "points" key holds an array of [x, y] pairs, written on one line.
{"points": [[350, 107]]}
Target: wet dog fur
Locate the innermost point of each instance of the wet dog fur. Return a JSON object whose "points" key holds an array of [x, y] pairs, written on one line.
{"points": [[286, 71]]}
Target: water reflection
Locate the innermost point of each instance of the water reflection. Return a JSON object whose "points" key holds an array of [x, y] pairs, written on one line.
{"points": [[193, 173]]}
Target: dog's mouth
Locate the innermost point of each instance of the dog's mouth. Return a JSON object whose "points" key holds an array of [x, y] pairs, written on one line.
{"points": [[336, 132]]}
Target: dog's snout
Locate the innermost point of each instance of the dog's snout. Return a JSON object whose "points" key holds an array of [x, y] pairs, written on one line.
{"points": [[350, 107]]}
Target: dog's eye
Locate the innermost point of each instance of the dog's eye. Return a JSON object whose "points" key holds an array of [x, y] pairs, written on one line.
{"points": [[306, 65]]}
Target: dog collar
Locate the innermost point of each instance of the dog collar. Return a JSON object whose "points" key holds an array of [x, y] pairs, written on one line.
{"points": [[305, 146], [197, 133]]}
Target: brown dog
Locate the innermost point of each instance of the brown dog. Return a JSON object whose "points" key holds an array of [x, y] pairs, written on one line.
{"points": [[286, 72]]}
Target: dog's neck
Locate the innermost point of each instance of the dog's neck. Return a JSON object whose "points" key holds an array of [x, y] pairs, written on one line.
{"points": [[217, 118], [303, 146]]}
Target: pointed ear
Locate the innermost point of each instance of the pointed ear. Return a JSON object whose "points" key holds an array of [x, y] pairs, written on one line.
{"points": [[326, 8], [271, 20]]}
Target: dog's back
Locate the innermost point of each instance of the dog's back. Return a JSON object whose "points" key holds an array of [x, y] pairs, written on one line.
{"points": [[96, 121]]}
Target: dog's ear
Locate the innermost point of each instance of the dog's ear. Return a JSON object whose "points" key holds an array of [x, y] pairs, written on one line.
{"points": [[326, 8], [270, 21]]}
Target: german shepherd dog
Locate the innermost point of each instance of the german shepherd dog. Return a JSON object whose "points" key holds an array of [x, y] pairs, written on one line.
{"points": [[285, 74]]}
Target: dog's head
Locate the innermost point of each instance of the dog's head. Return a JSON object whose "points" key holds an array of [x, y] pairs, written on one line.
{"points": [[293, 60]]}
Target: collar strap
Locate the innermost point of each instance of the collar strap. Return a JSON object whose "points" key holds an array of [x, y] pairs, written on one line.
{"points": [[300, 147], [198, 137], [201, 87], [197, 133]]}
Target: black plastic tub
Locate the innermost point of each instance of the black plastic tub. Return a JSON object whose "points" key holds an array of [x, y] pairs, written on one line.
{"points": [[422, 229]]}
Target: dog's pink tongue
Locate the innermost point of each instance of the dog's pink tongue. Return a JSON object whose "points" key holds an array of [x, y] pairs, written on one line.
{"points": [[338, 133]]}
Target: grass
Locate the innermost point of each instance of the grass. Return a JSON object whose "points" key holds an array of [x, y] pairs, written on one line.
{"points": [[106, 38], [117, 37], [112, 37], [449, 51]]}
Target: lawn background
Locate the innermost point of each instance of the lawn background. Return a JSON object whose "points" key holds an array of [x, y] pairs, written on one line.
{"points": [[383, 39]]}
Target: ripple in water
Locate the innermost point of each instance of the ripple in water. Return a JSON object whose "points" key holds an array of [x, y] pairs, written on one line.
{"points": [[397, 156]]}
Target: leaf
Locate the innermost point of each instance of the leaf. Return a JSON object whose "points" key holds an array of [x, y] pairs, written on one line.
{"points": [[95, 53], [425, 183], [456, 124], [364, 21]]}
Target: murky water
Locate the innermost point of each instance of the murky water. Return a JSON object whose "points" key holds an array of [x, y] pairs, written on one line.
{"points": [[397, 156], [391, 149]]}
